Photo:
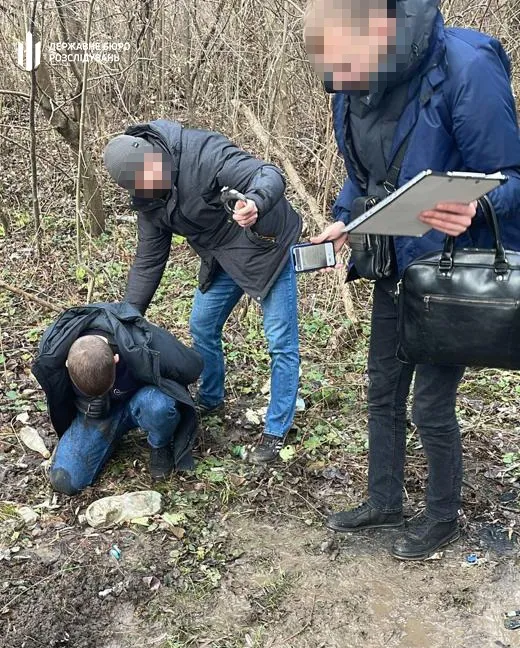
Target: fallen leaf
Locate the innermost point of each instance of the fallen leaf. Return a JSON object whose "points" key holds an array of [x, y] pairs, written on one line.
{"points": [[142, 521], [173, 519], [236, 480], [28, 515], [152, 582], [287, 453], [253, 417], [178, 532]]}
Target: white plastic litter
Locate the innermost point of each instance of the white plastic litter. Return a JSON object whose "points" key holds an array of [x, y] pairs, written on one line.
{"points": [[123, 508], [33, 441]]}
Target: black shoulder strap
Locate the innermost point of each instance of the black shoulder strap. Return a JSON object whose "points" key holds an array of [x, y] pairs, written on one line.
{"points": [[390, 184]]}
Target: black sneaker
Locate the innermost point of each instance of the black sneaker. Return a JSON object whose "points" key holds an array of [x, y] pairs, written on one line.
{"points": [[208, 410], [267, 449], [161, 462], [424, 537], [364, 516]]}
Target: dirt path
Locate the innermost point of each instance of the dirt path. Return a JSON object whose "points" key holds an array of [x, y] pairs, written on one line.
{"points": [[287, 584], [285, 591], [363, 597]]}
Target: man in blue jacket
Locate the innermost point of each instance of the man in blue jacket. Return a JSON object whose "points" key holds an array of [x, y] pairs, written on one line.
{"points": [[397, 72]]}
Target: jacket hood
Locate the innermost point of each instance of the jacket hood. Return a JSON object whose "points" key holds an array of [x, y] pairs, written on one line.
{"points": [[415, 28]]}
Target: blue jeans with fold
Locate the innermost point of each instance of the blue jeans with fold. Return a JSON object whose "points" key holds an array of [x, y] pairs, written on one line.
{"points": [[88, 444], [280, 313]]}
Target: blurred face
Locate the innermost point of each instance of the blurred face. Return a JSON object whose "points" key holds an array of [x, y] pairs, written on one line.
{"points": [[347, 49], [154, 178]]}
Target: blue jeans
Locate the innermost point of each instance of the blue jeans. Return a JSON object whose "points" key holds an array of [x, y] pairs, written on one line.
{"points": [[435, 393], [280, 311], [88, 444]]}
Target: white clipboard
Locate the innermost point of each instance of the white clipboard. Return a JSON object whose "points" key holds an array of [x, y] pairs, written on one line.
{"points": [[397, 215]]}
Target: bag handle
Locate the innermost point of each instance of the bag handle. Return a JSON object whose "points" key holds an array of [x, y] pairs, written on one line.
{"points": [[501, 264]]}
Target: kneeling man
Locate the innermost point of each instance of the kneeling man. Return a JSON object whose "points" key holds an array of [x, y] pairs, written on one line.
{"points": [[105, 370]]}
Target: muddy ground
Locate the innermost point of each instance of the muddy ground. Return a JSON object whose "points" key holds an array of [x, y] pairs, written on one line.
{"points": [[258, 571], [242, 558]]}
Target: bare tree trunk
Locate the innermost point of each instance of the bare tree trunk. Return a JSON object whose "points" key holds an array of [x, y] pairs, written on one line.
{"points": [[83, 162], [69, 127], [188, 84], [32, 130]]}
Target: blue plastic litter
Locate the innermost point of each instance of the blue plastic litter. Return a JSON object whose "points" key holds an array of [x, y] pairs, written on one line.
{"points": [[115, 552], [472, 559]]}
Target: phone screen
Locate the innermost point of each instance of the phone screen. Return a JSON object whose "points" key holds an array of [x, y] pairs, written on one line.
{"points": [[313, 257]]}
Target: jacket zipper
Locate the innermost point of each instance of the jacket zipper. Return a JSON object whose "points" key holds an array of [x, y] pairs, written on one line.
{"points": [[443, 299]]}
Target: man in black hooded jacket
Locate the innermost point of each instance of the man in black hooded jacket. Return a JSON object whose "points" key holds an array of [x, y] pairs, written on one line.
{"points": [[175, 176], [105, 370]]}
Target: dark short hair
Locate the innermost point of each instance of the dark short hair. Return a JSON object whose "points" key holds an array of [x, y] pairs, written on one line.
{"points": [[91, 365]]}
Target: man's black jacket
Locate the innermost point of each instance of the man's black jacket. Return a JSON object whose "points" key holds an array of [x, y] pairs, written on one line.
{"points": [[203, 162], [153, 355]]}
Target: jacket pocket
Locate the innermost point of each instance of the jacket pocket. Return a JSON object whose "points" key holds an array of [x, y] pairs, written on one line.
{"points": [[259, 239]]}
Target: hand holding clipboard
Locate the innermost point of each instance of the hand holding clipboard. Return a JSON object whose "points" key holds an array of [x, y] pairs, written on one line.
{"points": [[397, 215]]}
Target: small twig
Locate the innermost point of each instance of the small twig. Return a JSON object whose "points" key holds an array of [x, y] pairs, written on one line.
{"points": [[277, 150], [14, 93], [468, 485], [42, 302], [91, 285], [510, 468], [32, 143], [5, 358], [81, 158], [295, 492], [22, 147]]}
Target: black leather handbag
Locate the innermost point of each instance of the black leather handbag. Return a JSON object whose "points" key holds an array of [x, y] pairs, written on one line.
{"points": [[462, 307]]}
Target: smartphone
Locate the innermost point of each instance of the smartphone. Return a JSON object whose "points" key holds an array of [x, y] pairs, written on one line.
{"points": [[307, 257]]}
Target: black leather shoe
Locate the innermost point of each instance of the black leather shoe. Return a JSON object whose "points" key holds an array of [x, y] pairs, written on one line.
{"points": [[364, 516], [267, 450], [424, 537], [208, 410], [161, 462]]}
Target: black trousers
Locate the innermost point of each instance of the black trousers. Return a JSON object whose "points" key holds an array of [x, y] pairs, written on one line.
{"points": [[434, 397]]}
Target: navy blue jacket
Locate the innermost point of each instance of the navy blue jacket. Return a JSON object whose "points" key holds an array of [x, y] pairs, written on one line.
{"points": [[463, 118]]}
